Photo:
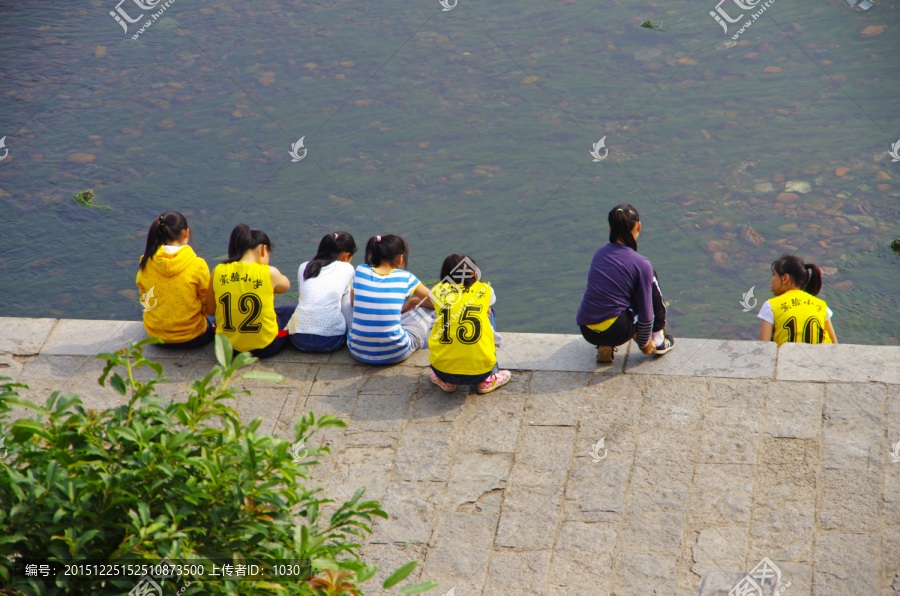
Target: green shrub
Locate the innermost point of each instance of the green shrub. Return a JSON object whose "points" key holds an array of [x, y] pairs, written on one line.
{"points": [[186, 480]]}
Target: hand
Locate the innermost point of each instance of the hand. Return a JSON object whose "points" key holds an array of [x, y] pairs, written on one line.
{"points": [[650, 348]]}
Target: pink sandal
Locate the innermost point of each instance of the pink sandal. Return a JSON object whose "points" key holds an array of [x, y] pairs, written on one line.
{"points": [[495, 381], [437, 381]]}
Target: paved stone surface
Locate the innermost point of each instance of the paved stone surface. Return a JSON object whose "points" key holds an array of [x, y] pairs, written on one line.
{"points": [[712, 459]]}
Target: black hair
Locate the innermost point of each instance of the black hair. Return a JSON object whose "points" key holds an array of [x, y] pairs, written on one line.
{"points": [[380, 249], [806, 276], [166, 228], [330, 248], [244, 239], [458, 276], [622, 220]]}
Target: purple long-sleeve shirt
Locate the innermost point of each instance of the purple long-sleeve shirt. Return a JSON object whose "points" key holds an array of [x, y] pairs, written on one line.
{"points": [[619, 278]]}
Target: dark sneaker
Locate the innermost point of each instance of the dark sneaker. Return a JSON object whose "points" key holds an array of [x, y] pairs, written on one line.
{"points": [[605, 354], [667, 344]]}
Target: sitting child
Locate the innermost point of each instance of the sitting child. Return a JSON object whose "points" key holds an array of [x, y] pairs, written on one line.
{"points": [[794, 314], [462, 341], [324, 307], [173, 283], [242, 295], [382, 291]]}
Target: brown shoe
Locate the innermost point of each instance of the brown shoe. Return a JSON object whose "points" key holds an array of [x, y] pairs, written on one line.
{"points": [[605, 354]]}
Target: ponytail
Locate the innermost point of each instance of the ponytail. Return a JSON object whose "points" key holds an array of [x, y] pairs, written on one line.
{"points": [[381, 249], [330, 248], [244, 239], [166, 228], [622, 220], [806, 276]]}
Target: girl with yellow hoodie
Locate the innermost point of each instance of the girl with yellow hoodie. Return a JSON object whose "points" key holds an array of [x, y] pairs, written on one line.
{"points": [[173, 282]]}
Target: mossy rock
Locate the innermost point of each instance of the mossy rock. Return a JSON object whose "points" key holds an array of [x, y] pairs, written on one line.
{"points": [[85, 198]]}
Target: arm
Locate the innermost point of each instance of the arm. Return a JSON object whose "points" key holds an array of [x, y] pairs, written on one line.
{"points": [[421, 296], [643, 337], [830, 331], [280, 282], [766, 329], [211, 298], [203, 287]]}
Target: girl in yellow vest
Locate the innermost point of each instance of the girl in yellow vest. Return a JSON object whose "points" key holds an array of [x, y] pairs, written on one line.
{"points": [[795, 315], [242, 295], [462, 338], [173, 283]]}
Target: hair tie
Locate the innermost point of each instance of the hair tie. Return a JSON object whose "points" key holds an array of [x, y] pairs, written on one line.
{"points": [[377, 238], [162, 224]]}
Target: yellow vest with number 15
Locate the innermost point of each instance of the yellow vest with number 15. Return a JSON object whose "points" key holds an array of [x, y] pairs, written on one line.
{"points": [[245, 305], [462, 339], [799, 318]]}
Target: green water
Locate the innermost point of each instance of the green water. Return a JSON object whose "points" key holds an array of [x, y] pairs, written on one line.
{"points": [[464, 131]]}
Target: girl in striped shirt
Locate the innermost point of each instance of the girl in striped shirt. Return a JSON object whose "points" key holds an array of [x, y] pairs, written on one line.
{"points": [[382, 292]]}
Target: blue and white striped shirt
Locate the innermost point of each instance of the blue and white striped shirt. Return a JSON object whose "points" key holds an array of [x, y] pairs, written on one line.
{"points": [[376, 336]]}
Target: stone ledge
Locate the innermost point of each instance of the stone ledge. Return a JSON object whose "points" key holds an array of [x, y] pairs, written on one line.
{"points": [[520, 351]]}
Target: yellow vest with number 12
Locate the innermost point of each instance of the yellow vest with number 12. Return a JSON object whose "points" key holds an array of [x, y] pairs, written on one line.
{"points": [[799, 318], [462, 339], [245, 305]]}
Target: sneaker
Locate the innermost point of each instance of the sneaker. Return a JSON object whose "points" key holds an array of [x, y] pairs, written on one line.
{"points": [[667, 344], [444, 386], [605, 354], [495, 381]]}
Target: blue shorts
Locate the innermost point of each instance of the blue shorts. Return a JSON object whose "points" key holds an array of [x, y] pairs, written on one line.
{"points": [[308, 342]]}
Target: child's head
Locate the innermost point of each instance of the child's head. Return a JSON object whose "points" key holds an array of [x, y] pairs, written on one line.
{"points": [[168, 228], [624, 225], [790, 272], [461, 276], [331, 248], [387, 250], [244, 239]]}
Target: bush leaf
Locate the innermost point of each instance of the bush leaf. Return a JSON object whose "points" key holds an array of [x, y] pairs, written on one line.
{"points": [[399, 575]]}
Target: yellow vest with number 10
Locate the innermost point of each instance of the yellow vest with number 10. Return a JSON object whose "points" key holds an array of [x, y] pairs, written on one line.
{"points": [[245, 305], [462, 339], [799, 318]]}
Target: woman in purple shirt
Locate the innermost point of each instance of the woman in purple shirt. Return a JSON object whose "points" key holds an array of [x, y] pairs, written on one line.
{"points": [[622, 300]]}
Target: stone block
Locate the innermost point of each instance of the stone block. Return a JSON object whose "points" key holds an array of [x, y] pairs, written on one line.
{"points": [[391, 557], [722, 494], [583, 557], [24, 337], [674, 404], [357, 467], [846, 565], [543, 456], [660, 462], [529, 517], [393, 379], [595, 491], [490, 423], [413, 511], [653, 521], [738, 393], [849, 500], [434, 405], [643, 574], [719, 548], [339, 380], [555, 398], [546, 351], [11, 366], [730, 435], [707, 358], [517, 573], [77, 337], [378, 412], [828, 363], [265, 403], [475, 476], [462, 547], [297, 375], [424, 452], [795, 410]]}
